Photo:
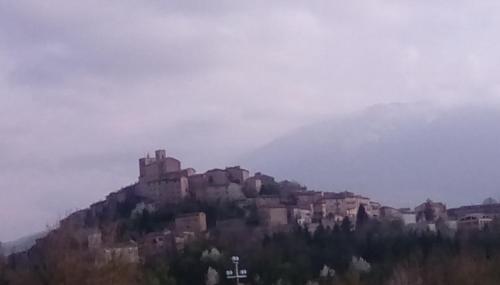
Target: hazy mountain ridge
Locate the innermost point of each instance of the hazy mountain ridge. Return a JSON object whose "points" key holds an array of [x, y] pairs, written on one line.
{"points": [[21, 244], [399, 153]]}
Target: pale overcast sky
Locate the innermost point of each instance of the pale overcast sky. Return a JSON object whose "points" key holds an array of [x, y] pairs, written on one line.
{"points": [[88, 86]]}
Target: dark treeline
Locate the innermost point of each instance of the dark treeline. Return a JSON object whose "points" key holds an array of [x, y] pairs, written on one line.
{"points": [[375, 253], [394, 255]]}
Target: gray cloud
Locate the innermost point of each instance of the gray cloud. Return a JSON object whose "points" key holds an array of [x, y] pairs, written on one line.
{"points": [[88, 86]]}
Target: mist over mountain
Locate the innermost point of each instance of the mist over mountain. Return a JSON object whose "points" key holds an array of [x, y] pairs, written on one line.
{"points": [[399, 154], [22, 243]]}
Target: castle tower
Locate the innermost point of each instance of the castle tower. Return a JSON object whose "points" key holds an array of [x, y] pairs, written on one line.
{"points": [[160, 154]]}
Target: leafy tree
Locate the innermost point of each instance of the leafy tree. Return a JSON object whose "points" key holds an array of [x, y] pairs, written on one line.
{"points": [[212, 277], [346, 225], [362, 217], [3, 270], [157, 273], [429, 213], [270, 189]]}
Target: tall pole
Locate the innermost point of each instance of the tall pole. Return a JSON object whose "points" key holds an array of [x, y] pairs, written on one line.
{"points": [[237, 274]]}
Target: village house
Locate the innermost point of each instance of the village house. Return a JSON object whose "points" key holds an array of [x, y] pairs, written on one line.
{"points": [[238, 175], [266, 179], [252, 187], [345, 204], [306, 199], [273, 217], [287, 190], [197, 186], [224, 193], [166, 190], [474, 222], [192, 222], [373, 209], [219, 185], [319, 210], [390, 214], [187, 172], [491, 210], [408, 216], [301, 216], [430, 211]]}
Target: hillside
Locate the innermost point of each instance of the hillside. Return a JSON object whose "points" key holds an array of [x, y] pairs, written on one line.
{"points": [[398, 153], [176, 226], [21, 244]]}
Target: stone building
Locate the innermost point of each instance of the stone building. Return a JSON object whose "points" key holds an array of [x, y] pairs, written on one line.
{"points": [[197, 185], [287, 190], [491, 210], [319, 210], [238, 175], [252, 187], [217, 177], [192, 222], [345, 204], [162, 180], [430, 211], [272, 217], [218, 185], [165, 190], [266, 179], [182, 173], [224, 193], [307, 198], [301, 216], [474, 222], [152, 169], [374, 209], [390, 214], [409, 217]]}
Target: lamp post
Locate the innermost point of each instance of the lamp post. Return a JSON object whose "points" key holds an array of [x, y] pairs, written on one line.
{"points": [[237, 273]]}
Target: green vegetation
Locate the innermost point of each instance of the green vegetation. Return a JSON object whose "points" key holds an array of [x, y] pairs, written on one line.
{"points": [[393, 255], [375, 253]]}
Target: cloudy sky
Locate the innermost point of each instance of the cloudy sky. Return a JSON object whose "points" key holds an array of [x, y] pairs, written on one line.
{"points": [[86, 87]]}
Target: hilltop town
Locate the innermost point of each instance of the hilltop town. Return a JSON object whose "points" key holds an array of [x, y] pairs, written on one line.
{"points": [[170, 207]]}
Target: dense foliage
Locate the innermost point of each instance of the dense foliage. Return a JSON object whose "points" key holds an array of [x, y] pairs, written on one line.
{"points": [[375, 253], [394, 256]]}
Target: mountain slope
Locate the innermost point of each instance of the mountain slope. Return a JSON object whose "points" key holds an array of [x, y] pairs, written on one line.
{"points": [[399, 154], [21, 244]]}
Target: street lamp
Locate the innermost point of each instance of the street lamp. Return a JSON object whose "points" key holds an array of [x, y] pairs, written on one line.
{"points": [[237, 273]]}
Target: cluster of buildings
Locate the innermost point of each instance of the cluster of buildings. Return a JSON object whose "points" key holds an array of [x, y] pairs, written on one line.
{"points": [[164, 181], [275, 206], [434, 216]]}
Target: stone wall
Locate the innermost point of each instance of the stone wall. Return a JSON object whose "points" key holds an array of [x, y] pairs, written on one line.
{"points": [[193, 222], [273, 216]]}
